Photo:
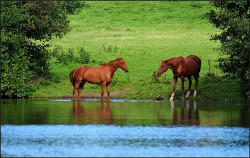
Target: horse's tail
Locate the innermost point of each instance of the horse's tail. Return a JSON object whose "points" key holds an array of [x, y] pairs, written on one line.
{"points": [[199, 64], [72, 79]]}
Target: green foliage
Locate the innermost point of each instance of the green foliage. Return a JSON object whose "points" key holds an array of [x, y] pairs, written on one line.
{"points": [[84, 56], [61, 56], [68, 57], [26, 26], [15, 74], [196, 5], [109, 49], [71, 6], [232, 18]]}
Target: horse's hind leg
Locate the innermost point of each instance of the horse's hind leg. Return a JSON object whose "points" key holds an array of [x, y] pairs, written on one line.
{"points": [[182, 87], [75, 88], [80, 89], [196, 84], [189, 88]]}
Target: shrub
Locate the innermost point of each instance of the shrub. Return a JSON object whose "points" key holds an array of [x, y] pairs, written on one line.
{"points": [[232, 18], [65, 58], [15, 72], [68, 57], [84, 56], [25, 28], [109, 49]]}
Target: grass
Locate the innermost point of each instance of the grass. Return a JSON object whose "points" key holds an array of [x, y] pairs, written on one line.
{"points": [[144, 32]]}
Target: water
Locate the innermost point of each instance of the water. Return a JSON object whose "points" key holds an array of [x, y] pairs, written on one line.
{"points": [[123, 128]]}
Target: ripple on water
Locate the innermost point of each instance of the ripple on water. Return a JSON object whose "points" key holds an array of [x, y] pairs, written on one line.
{"points": [[116, 141]]}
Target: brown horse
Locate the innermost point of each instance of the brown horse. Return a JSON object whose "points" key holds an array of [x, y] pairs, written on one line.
{"points": [[190, 66], [102, 74]]}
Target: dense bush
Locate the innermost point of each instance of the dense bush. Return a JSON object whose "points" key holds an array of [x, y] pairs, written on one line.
{"points": [[61, 56], [15, 72], [26, 26], [84, 56], [232, 18], [68, 57]]}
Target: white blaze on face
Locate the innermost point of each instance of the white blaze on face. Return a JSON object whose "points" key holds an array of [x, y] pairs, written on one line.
{"points": [[195, 92], [188, 94]]}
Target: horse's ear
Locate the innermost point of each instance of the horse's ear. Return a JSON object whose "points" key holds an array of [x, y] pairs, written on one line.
{"points": [[162, 60], [166, 61], [121, 57]]}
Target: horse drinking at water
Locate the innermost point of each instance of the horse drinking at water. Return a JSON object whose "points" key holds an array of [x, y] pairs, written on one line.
{"points": [[102, 74], [190, 66]]}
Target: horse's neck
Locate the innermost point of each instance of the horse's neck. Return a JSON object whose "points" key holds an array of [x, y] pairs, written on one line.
{"points": [[174, 63], [113, 66]]}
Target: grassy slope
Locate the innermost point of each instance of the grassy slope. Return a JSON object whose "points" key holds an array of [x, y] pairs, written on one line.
{"points": [[144, 33]]}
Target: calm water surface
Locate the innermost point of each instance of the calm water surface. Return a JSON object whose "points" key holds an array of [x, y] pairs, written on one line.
{"points": [[121, 128]]}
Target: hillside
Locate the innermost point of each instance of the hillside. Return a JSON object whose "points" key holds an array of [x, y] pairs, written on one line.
{"points": [[143, 33]]}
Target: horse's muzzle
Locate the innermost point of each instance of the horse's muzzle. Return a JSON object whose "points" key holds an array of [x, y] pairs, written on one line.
{"points": [[158, 75], [126, 70]]}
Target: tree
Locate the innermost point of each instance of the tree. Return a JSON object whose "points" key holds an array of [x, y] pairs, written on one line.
{"points": [[26, 26], [233, 19]]}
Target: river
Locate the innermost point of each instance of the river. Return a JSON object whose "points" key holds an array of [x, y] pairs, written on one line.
{"points": [[123, 128]]}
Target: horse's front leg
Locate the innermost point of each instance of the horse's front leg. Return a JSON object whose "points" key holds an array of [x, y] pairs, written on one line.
{"points": [[102, 89], [175, 81], [182, 87], [108, 90]]}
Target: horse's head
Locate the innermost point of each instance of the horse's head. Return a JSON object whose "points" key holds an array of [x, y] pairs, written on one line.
{"points": [[163, 67], [122, 65]]}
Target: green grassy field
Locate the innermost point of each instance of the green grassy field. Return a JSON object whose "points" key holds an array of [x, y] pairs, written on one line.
{"points": [[143, 32]]}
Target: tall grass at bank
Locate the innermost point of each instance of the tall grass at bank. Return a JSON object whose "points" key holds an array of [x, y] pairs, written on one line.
{"points": [[143, 33]]}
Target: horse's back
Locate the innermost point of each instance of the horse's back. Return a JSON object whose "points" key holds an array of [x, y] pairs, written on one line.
{"points": [[90, 74], [194, 58], [81, 70], [196, 62], [84, 68]]}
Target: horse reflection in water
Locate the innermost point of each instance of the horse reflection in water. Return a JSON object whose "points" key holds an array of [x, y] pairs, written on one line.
{"points": [[188, 120], [92, 116]]}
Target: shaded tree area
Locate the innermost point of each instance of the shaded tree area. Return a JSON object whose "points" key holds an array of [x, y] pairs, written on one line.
{"points": [[26, 28], [233, 19]]}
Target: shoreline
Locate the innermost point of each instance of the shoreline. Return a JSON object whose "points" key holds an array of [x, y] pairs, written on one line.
{"points": [[138, 100]]}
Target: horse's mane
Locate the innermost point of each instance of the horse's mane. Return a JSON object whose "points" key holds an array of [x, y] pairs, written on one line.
{"points": [[174, 61], [109, 63]]}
